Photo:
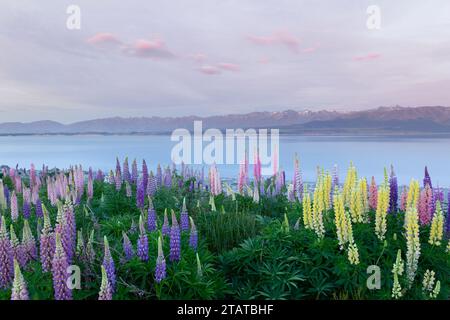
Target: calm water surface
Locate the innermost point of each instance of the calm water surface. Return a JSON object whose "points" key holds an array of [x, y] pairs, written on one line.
{"points": [[369, 154]]}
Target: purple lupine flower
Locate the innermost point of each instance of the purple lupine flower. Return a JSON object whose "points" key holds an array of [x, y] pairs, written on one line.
{"points": [[59, 272], [167, 178], [126, 171], [6, 257], [144, 176], [70, 225], [393, 187], [175, 239], [16, 247], [151, 187], [106, 291], [134, 172], [108, 264], [151, 216], [193, 236], [184, 217], [158, 176], [39, 208], [7, 194], [127, 247], [14, 207], [19, 288], [90, 185], [427, 179], [142, 250], [47, 244], [100, 176], [26, 208], [118, 169], [165, 227], [160, 270], [140, 195]]}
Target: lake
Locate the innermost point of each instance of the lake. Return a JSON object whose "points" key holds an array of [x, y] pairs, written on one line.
{"points": [[369, 154]]}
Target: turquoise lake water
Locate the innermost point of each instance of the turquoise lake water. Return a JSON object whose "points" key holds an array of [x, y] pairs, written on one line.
{"points": [[369, 154]]}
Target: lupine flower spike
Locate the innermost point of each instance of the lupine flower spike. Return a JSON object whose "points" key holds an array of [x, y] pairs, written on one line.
{"points": [[19, 288], [142, 250], [59, 271], [175, 239], [105, 288], [160, 271], [193, 237], [108, 264]]}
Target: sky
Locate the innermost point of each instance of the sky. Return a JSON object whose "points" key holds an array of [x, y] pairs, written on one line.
{"points": [[206, 57]]}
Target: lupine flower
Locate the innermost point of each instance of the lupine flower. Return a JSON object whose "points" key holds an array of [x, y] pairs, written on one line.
{"points": [[108, 264], [151, 187], [165, 227], [380, 215], [133, 227], [447, 223], [144, 176], [6, 257], [90, 185], [99, 176], [393, 189], [28, 242], [19, 288], [106, 291], [373, 194], [425, 205], [175, 239], [437, 226], [184, 217], [307, 212], [126, 171], [318, 208], [403, 199], [142, 250], [412, 242], [59, 272], [167, 178], [159, 176], [413, 194], [7, 195], [3, 199], [140, 195], [341, 219], [298, 182], [127, 247], [193, 236], [151, 216], [160, 270], [427, 179], [16, 247], [39, 208], [134, 172], [14, 207]]}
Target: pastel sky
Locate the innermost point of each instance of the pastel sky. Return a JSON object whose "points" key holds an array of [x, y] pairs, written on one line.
{"points": [[206, 57]]}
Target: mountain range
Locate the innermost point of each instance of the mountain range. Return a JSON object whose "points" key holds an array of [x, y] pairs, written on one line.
{"points": [[382, 120]]}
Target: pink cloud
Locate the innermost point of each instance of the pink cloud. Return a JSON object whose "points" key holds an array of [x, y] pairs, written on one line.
{"points": [[144, 48], [278, 38], [209, 70], [370, 56], [103, 38], [228, 66]]}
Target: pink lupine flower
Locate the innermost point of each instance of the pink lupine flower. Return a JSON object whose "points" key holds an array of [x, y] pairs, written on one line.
{"points": [[373, 194]]}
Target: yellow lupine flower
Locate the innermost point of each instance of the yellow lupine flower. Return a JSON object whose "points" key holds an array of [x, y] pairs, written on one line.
{"points": [[364, 195], [307, 213], [413, 194], [437, 226], [353, 254], [340, 220], [381, 213], [349, 183], [318, 208]]}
